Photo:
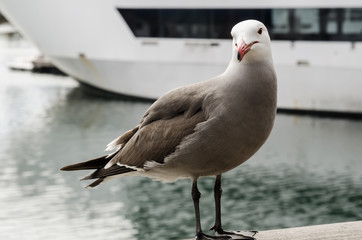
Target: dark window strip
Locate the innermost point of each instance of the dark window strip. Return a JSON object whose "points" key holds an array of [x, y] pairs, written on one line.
{"points": [[313, 24]]}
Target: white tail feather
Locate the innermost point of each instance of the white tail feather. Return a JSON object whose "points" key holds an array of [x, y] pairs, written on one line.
{"points": [[151, 164], [131, 167], [113, 145], [109, 164]]}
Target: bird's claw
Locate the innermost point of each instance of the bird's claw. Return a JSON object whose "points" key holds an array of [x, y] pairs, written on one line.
{"points": [[203, 236], [240, 235]]}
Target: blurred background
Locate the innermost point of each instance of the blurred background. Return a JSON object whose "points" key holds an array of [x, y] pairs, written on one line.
{"points": [[308, 172]]}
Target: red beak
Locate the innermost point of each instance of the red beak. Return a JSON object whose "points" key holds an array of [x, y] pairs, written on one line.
{"points": [[243, 49]]}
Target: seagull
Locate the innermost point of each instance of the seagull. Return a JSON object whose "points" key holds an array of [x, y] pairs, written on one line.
{"points": [[203, 129]]}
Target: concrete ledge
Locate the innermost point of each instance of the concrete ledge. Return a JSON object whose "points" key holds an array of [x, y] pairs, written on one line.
{"points": [[335, 231]]}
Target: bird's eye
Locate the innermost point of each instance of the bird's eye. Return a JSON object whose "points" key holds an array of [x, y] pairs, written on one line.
{"points": [[260, 31]]}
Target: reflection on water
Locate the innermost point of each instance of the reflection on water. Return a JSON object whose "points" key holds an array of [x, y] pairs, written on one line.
{"points": [[308, 172]]}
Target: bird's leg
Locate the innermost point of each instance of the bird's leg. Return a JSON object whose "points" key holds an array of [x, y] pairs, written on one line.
{"points": [[199, 234], [196, 198], [218, 227], [217, 195]]}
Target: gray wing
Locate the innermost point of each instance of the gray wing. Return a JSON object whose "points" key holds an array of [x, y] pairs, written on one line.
{"points": [[164, 125]]}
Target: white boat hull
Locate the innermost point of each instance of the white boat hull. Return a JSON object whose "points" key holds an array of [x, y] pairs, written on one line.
{"points": [[139, 79], [90, 41]]}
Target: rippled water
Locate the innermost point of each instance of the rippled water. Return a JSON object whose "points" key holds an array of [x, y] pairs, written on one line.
{"points": [[308, 172]]}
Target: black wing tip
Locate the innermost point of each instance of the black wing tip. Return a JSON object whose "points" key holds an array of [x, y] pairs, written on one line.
{"points": [[73, 167], [103, 173], [66, 168], [90, 164], [95, 183], [88, 177]]}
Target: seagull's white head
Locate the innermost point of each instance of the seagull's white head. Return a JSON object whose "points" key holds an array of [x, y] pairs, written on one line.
{"points": [[251, 41]]}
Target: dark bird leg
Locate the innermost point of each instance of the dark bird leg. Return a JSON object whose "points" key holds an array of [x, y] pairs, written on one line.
{"points": [[218, 227], [199, 234], [217, 195]]}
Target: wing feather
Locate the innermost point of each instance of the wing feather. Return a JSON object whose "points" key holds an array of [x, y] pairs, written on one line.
{"points": [[157, 140], [171, 118]]}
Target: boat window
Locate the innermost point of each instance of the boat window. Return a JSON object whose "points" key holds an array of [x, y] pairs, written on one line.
{"points": [[142, 22], [306, 21], [318, 24], [222, 20], [185, 24], [280, 21], [352, 23]]}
